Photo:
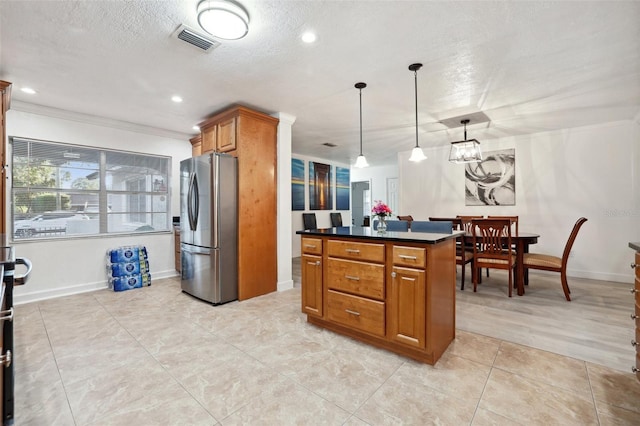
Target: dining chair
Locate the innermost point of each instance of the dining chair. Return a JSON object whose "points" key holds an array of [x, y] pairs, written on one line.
{"points": [[464, 254], [394, 225], [309, 221], [548, 262], [408, 218], [465, 225], [336, 219], [490, 236]]}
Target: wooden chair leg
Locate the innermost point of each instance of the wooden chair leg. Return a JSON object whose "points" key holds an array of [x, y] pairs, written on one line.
{"points": [[565, 286], [510, 281], [474, 276], [462, 276]]}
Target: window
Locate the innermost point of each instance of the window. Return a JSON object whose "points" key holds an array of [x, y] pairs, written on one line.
{"points": [[63, 190]]}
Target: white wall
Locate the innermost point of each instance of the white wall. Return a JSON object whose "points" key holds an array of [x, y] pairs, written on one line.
{"points": [[71, 266], [560, 176], [322, 216], [378, 176]]}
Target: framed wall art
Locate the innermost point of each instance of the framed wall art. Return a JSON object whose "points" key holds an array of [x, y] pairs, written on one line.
{"points": [[492, 182]]}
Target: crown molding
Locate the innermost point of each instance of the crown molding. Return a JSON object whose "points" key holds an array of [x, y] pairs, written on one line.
{"points": [[96, 120]]}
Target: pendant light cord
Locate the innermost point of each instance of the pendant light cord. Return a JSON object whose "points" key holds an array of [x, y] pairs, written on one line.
{"points": [[360, 121], [416, 91]]}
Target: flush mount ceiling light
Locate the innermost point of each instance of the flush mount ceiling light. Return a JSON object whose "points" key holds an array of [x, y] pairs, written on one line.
{"points": [[224, 19], [361, 161], [416, 154], [466, 151]]}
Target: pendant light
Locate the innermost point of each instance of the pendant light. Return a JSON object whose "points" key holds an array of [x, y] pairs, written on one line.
{"points": [[466, 151], [417, 154], [361, 161]]}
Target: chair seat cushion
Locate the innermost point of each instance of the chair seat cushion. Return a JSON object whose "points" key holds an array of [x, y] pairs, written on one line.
{"points": [[481, 259], [468, 255], [544, 260]]}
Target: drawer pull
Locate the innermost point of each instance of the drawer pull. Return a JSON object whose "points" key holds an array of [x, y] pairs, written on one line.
{"points": [[633, 316], [634, 343], [310, 245], [356, 251], [6, 315], [633, 291], [635, 370], [349, 311], [351, 277], [317, 263], [5, 359], [634, 265], [404, 256]]}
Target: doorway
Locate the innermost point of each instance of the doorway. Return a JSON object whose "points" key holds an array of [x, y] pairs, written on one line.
{"points": [[360, 203]]}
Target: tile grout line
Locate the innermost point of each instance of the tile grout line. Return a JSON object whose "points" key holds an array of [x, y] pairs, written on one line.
{"points": [[475, 411], [593, 397]]}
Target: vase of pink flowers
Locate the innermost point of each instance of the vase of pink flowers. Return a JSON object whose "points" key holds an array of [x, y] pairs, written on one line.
{"points": [[383, 211]]}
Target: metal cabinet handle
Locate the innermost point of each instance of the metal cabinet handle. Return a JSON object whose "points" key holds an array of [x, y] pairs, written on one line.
{"points": [[634, 343], [633, 291], [404, 256], [352, 250], [634, 316], [310, 245], [634, 265], [635, 370], [317, 263], [351, 277], [6, 315], [393, 275], [22, 279], [5, 359], [352, 312]]}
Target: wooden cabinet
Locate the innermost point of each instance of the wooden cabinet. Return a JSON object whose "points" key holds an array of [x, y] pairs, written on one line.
{"points": [[5, 100], [251, 136], [393, 295], [196, 145], [176, 240]]}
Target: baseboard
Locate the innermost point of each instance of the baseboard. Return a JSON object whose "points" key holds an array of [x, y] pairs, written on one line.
{"points": [[285, 285], [37, 296], [602, 276]]}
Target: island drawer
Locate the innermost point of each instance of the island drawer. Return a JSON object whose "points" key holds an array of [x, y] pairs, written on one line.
{"points": [[356, 251], [413, 257], [311, 245], [360, 278], [356, 312]]}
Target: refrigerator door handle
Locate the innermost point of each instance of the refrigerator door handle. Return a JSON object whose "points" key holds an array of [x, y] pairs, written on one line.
{"points": [[196, 193], [189, 195]]}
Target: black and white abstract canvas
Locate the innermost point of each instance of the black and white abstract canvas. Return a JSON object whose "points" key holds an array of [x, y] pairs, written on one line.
{"points": [[492, 182]]}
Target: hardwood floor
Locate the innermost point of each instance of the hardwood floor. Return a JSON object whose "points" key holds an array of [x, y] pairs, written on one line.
{"points": [[595, 326]]}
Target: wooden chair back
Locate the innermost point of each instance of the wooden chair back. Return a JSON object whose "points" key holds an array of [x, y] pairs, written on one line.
{"points": [[490, 237], [572, 238], [513, 219], [465, 222], [408, 218]]}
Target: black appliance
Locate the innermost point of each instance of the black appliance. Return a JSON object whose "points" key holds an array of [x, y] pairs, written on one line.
{"points": [[8, 263]]}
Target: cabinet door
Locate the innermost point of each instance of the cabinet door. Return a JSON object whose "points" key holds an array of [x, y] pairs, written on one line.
{"points": [[406, 322], [312, 285], [208, 139], [226, 135]]}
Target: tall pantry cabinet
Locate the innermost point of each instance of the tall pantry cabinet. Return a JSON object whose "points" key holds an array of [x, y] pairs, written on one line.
{"points": [[251, 136]]}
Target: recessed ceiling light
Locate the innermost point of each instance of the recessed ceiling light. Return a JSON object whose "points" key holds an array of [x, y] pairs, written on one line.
{"points": [[308, 37], [196, 128], [176, 99], [28, 90]]}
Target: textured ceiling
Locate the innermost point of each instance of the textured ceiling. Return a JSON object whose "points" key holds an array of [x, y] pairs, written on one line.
{"points": [[528, 66]]}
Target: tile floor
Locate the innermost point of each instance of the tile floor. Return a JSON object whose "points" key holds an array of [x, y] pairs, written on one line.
{"points": [[155, 356]]}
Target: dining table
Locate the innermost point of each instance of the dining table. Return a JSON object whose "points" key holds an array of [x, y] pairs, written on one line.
{"points": [[521, 243]]}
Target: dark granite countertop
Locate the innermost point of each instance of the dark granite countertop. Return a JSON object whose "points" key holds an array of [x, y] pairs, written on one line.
{"points": [[370, 234], [635, 246]]}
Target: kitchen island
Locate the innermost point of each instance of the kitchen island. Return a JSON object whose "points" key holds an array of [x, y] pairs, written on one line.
{"points": [[394, 290]]}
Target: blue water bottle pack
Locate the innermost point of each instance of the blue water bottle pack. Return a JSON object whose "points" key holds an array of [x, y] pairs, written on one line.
{"points": [[128, 267]]}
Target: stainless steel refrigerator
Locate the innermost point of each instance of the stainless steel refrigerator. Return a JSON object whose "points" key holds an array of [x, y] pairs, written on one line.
{"points": [[209, 227]]}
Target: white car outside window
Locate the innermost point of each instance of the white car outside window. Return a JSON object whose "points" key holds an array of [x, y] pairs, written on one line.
{"points": [[46, 223]]}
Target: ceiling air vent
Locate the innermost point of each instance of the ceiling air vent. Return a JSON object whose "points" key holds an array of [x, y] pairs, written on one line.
{"points": [[329, 144], [196, 39]]}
